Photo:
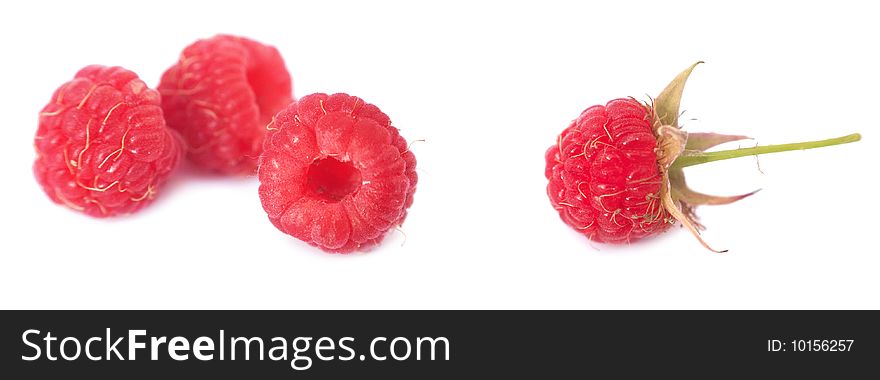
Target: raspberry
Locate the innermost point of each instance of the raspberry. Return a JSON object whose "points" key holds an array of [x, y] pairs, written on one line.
{"points": [[102, 144], [604, 177], [615, 174], [335, 173], [220, 95]]}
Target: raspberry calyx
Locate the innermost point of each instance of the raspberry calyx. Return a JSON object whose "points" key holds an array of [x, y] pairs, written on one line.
{"points": [[677, 149]]}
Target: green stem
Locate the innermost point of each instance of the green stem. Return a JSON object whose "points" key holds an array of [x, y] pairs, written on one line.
{"points": [[696, 158]]}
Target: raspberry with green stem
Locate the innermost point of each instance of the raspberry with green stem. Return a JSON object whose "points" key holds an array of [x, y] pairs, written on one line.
{"points": [[616, 174]]}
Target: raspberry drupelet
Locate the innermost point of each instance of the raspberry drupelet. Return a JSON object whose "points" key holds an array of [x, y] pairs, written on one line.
{"points": [[220, 95], [335, 173], [615, 174], [102, 144]]}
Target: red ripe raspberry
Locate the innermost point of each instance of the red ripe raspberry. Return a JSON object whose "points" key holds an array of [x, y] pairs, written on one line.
{"points": [[220, 95], [615, 174], [102, 144], [335, 173], [604, 176]]}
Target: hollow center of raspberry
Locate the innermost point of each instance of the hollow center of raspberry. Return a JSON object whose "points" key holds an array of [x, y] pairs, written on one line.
{"points": [[269, 95], [331, 180]]}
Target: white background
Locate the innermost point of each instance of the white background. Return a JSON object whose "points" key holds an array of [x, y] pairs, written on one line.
{"points": [[489, 85]]}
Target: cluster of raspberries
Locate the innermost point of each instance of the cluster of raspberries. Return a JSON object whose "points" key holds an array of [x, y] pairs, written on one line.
{"points": [[333, 170]]}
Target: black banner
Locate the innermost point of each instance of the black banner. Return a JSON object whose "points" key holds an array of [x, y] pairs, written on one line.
{"points": [[404, 344]]}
